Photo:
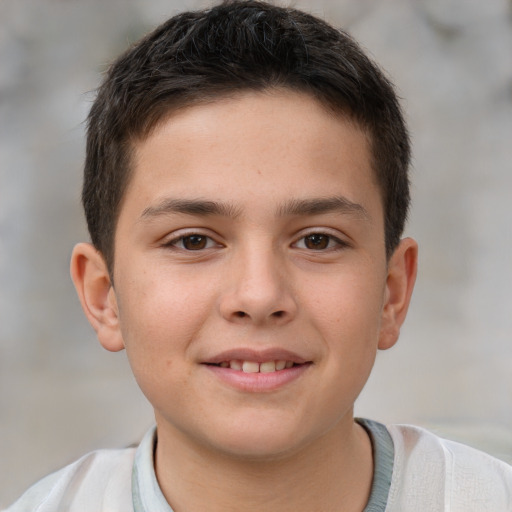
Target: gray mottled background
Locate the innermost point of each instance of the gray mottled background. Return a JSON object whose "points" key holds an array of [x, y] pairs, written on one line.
{"points": [[62, 395]]}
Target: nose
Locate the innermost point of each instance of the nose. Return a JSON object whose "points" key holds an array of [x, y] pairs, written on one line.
{"points": [[258, 290]]}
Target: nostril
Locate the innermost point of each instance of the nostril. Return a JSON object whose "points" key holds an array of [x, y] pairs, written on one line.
{"points": [[278, 314], [240, 314]]}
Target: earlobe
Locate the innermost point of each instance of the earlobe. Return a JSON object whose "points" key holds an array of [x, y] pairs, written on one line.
{"points": [[90, 276], [402, 268]]}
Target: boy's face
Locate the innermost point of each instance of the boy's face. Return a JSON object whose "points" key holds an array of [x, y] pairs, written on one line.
{"points": [[252, 232]]}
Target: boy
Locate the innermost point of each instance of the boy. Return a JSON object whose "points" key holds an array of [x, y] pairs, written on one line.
{"points": [[246, 189]]}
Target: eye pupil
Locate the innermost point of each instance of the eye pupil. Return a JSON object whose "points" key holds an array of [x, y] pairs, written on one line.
{"points": [[194, 242], [316, 241]]}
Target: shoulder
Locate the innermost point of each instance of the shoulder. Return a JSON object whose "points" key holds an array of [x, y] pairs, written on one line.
{"points": [[99, 481], [438, 474]]}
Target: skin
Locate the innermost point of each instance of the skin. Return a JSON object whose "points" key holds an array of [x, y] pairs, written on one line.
{"points": [[254, 280]]}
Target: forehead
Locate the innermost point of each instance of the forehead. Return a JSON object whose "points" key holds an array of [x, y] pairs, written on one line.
{"points": [[274, 146]]}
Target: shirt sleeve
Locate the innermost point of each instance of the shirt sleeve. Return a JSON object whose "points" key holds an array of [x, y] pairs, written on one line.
{"points": [[431, 473], [100, 482]]}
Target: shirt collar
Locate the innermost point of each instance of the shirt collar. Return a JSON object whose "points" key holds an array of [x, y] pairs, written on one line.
{"points": [[148, 497]]}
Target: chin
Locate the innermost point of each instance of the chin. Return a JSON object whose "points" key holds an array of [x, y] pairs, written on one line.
{"points": [[259, 441], [257, 448]]}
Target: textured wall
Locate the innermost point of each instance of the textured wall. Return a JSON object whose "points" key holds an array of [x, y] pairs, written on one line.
{"points": [[61, 394]]}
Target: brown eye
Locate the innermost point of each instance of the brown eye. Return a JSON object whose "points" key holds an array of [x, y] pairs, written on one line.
{"points": [[316, 241], [194, 242]]}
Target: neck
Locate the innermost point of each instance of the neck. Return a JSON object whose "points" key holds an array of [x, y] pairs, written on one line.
{"points": [[330, 474]]}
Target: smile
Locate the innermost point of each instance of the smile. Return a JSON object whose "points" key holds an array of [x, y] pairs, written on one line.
{"points": [[256, 371], [255, 367], [265, 375]]}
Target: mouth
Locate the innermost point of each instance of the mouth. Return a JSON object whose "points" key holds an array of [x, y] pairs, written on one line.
{"points": [[246, 366], [258, 371]]}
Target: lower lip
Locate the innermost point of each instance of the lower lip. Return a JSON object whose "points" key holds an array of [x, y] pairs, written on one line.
{"points": [[258, 382]]}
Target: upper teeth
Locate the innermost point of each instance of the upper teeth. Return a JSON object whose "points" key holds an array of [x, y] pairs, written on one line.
{"points": [[254, 367]]}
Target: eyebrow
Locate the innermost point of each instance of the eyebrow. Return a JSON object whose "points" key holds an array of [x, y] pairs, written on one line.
{"points": [[317, 206], [294, 207], [190, 207]]}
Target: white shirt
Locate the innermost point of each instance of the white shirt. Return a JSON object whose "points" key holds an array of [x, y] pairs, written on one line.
{"points": [[425, 474]]}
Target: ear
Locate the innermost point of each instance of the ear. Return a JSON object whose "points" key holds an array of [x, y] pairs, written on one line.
{"points": [[402, 268], [97, 296]]}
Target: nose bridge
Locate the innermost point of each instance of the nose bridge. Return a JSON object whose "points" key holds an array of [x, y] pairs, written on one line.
{"points": [[260, 289]]}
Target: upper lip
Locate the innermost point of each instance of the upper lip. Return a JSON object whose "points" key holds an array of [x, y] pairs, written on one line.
{"points": [[258, 356]]}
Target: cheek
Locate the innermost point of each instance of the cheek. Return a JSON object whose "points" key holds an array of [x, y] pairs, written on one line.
{"points": [[347, 301], [158, 329], [164, 314], [348, 315], [160, 317], [164, 300]]}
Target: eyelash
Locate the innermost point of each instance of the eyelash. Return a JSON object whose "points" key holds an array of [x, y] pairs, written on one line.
{"points": [[173, 244], [333, 243]]}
